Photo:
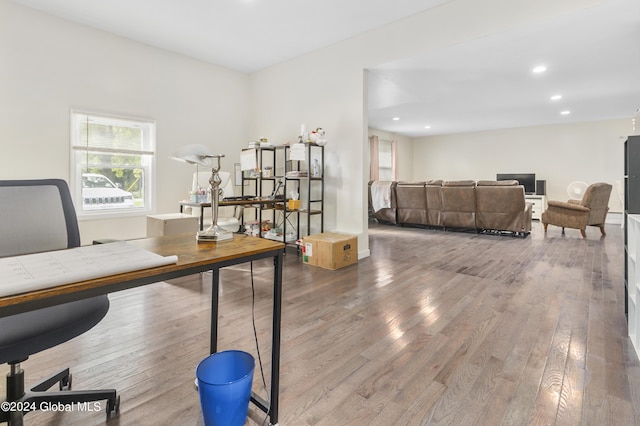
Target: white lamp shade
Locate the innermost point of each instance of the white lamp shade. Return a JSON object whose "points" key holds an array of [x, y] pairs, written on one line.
{"points": [[193, 154]]}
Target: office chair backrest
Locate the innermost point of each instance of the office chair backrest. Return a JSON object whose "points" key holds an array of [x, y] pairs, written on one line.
{"points": [[36, 216]]}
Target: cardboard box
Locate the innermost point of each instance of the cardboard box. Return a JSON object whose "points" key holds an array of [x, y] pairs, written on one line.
{"points": [[330, 250], [172, 223]]}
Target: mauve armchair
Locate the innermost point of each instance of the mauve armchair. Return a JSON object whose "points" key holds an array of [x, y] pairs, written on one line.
{"points": [[591, 210]]}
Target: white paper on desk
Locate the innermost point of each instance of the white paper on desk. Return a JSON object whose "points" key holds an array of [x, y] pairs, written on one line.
{"points": [[37, 271], [248, 159]]}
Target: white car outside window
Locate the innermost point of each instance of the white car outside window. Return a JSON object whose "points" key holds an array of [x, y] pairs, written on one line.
{"points": [[99, 192]]}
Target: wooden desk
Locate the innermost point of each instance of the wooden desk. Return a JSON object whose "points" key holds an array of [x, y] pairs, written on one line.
{"points": [[193, 257]]}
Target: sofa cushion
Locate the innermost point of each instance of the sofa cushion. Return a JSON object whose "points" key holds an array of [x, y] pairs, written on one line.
{"points": [[497, 183], [502, 207], [434, 202], [411, 199], [412, 183], [459, 183], [459, 204]]}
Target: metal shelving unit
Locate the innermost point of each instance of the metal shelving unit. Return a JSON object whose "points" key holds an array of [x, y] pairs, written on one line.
{"points": [[289, 223]]}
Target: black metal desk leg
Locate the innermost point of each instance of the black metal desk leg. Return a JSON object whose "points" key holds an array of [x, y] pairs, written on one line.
{"points": [[215, 287], [275, 343]]}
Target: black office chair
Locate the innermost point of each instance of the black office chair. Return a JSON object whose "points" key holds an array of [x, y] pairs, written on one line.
{"points": [[37, 216]]}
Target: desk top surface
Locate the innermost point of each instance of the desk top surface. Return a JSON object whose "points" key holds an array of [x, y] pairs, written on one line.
{"points": [[191, 254], [223, 203]]}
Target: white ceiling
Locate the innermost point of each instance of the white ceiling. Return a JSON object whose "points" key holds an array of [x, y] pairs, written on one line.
{"points": [[592, 60], [244, 35], [593, 57]]}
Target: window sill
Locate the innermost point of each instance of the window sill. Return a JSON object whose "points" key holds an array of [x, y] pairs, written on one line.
{"points": [[101, 215]]}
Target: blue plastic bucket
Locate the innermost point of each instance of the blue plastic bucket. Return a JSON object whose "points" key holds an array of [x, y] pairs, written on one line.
{"points": [[224, 385]]}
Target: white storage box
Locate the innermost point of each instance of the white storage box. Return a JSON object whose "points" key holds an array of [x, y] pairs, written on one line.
{"points": [[171, 223]]}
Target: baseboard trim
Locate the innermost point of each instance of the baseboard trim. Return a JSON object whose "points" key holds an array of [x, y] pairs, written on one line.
{"points": [[614, 219]]}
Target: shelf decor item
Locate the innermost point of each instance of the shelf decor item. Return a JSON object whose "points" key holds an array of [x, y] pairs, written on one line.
{"points": [[317, 136]]}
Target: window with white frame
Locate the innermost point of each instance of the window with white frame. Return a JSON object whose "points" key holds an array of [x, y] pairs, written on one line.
{"points": [[112, 162], [385, 161]]}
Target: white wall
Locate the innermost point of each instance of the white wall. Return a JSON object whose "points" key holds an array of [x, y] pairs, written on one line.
{"points": [[404, 152], [319, 94], [49, 66], [560, 154], [327, 88]]}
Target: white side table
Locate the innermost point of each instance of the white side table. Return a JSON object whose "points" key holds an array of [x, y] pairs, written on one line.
{"points": [[539, 204]]}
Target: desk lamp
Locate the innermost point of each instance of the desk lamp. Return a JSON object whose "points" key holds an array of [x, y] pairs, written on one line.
{"points": [[199, 155], [191, 154]]}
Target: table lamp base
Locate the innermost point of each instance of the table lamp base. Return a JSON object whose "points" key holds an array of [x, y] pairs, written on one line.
{"points": [[214, 234]]}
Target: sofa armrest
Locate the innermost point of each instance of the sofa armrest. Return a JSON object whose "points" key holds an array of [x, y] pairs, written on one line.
{"points": [[526, 217], [566, 206]]}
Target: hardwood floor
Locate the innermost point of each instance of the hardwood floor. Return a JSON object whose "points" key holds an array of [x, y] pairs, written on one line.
{"points": [[433, 328]]}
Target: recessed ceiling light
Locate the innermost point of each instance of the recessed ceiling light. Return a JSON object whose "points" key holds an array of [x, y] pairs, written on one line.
{"points": [[565, 112], [539, 69], [556, 97], [427, 127], [396, 118]]}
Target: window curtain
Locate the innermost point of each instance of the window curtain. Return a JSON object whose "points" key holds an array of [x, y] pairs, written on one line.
{"points": [[374, 158]]}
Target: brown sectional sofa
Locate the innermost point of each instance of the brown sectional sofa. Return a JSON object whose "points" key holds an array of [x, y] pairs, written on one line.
{"points": [[488, 206]]}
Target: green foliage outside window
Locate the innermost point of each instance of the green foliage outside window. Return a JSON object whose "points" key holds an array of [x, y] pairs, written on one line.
{"points": [[123, 169]]}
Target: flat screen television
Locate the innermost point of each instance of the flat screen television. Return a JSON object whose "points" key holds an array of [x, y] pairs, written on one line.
{"points": [[528, 180]]}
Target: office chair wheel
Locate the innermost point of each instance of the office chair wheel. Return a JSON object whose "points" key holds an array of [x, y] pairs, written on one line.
{"points": [[113, 407], [65, 382]]}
